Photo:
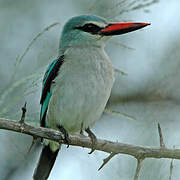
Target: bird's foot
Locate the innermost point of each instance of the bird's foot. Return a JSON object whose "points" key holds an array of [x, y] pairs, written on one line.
{"points": [[93, 140], [66, 135]]}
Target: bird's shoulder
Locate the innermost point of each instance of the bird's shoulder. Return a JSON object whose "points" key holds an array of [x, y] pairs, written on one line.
{"points": [[49, 76]]}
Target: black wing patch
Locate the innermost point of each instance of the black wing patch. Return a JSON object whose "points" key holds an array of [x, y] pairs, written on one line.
{"points": [[49, 76]]}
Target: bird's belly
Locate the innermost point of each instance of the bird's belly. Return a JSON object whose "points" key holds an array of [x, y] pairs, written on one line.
{"points": [[79, 99]]}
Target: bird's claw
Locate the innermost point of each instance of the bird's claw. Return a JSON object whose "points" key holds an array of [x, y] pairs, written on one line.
{"points": [[93, 140], [66, 135]]}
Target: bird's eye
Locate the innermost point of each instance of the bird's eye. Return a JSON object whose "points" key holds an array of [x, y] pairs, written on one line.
{"points": [[91, 28]]}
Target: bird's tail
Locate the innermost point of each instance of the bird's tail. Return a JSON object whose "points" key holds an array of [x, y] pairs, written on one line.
{"points": [[45, 164]]}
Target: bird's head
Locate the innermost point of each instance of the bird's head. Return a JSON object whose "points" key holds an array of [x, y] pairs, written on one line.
{"points": [[91, 30]]}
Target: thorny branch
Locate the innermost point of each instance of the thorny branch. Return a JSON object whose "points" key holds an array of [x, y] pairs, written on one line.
{"points": [[113, 148], [82, 141]]}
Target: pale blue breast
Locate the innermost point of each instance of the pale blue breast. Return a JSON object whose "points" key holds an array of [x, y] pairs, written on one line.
{"points": [[81, 89]]}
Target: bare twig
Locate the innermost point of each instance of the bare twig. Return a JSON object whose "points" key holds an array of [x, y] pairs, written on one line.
{"points": [[33, 40], [116, 43], [120, 72], [32, 144], [109, 111], [162, 145], [106, 160], [138, 168], [127, 6], [20, 58], [102, 145], [12, 88]]}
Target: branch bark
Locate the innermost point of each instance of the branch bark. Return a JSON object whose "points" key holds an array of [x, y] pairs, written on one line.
{"points": [[138, 152]]}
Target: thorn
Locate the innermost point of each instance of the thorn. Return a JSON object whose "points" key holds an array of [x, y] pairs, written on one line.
{"points": [[171, 168], [23, 114], [106, 160], [32, 144], [162, 145], [138, 168]]}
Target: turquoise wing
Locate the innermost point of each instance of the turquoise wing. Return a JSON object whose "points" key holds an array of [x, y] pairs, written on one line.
{"points": [[49, 76]]}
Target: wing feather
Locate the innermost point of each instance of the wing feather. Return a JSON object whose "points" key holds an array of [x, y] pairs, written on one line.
{"points": [[49, 76]]}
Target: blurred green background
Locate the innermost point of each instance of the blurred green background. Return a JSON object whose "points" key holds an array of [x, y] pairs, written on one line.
{"points": [[150, 92]]}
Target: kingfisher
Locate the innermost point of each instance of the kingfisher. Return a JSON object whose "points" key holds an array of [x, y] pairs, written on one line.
{"points": [[77, 85]]}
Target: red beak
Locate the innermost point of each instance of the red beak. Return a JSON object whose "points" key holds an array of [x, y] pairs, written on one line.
{"points": [[121, 28]]}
